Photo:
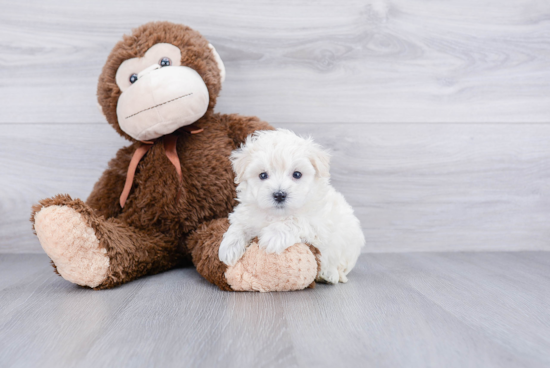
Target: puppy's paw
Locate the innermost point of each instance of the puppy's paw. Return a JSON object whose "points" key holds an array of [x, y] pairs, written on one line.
{"points": [[342, 277], [231, 249], [273, 241], [273, 245], [329, 276]]}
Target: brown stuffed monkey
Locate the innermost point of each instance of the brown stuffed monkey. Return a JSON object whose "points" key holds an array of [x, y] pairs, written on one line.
{"points": [[164, 199]]}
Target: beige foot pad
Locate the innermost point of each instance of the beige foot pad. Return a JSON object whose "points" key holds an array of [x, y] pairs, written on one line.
{"points": [[72, 245], [294, 269]]}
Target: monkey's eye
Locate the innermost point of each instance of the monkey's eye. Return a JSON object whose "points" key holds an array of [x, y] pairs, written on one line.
{"points": [[165, 62], [133, 78], [297, 175], [263, 176]]}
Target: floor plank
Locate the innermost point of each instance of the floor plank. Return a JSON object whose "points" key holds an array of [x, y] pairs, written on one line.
{"points": [[420, 187], [410, 309], [460, 61]]}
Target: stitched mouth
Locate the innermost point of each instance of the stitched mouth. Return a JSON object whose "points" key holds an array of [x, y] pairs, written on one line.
{"points": [[164, 103]]}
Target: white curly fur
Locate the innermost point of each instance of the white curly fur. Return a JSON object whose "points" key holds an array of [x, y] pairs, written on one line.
{"points": [[313, 212]]}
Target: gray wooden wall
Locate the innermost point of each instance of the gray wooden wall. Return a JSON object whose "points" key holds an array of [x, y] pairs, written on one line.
{"points": [[437, 112]]}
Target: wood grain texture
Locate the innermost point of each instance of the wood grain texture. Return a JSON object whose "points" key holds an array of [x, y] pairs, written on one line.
{"points": [[398, 310], [298, 61], [415, 187]]}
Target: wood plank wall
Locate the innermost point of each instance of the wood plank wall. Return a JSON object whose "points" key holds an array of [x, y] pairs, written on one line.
{"points": [[437, 112]]}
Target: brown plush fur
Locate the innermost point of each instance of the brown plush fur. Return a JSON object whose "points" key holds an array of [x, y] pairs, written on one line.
{"points": [[155, 232], [205, 256]]}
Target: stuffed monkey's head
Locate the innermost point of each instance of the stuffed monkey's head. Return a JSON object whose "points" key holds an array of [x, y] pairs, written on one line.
{"points": [[161, 78]]}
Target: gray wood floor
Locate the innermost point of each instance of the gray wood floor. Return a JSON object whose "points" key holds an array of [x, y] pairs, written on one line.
{"points": [[398, 310]]}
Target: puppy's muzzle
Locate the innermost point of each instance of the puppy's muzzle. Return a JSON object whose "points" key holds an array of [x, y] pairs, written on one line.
{"points": [[279, 196]]}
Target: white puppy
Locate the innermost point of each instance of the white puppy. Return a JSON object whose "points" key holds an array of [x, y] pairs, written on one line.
{"points": [[285, 198]]}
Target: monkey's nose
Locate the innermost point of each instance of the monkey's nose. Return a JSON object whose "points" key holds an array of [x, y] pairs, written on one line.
{"points": [[148, 70], [279, 196]]}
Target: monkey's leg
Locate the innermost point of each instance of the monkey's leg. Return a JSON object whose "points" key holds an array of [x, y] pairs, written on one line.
{"points": [[90, 251], [294, 269]]}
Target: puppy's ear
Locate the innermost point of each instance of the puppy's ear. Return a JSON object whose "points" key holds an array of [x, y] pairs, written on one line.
{"points": [[240, 159], [320, 159]]}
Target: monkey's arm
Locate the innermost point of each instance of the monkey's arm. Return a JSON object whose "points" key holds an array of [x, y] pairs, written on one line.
{"points": [[239, 127], [105, 197]]}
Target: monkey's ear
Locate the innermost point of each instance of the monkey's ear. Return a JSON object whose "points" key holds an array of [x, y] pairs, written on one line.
{"points": [[320, 159], [219, 61]]}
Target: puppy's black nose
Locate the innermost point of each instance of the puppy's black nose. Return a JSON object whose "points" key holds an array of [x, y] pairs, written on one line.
{"points": [[279, 196]]}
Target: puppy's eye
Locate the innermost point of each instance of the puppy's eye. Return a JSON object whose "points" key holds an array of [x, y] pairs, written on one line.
{"points": [[133, 78], [297, 175], [263, 176]]}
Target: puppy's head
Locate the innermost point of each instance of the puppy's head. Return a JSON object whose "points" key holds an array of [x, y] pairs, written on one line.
{"points": [[279, 171]]}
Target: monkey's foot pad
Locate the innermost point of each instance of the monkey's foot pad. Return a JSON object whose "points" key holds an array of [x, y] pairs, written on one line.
{"points": [[294, 269], [72, 245]]}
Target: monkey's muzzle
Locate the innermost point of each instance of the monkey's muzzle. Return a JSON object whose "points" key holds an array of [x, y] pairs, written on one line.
{"points": [[161, 101]]}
